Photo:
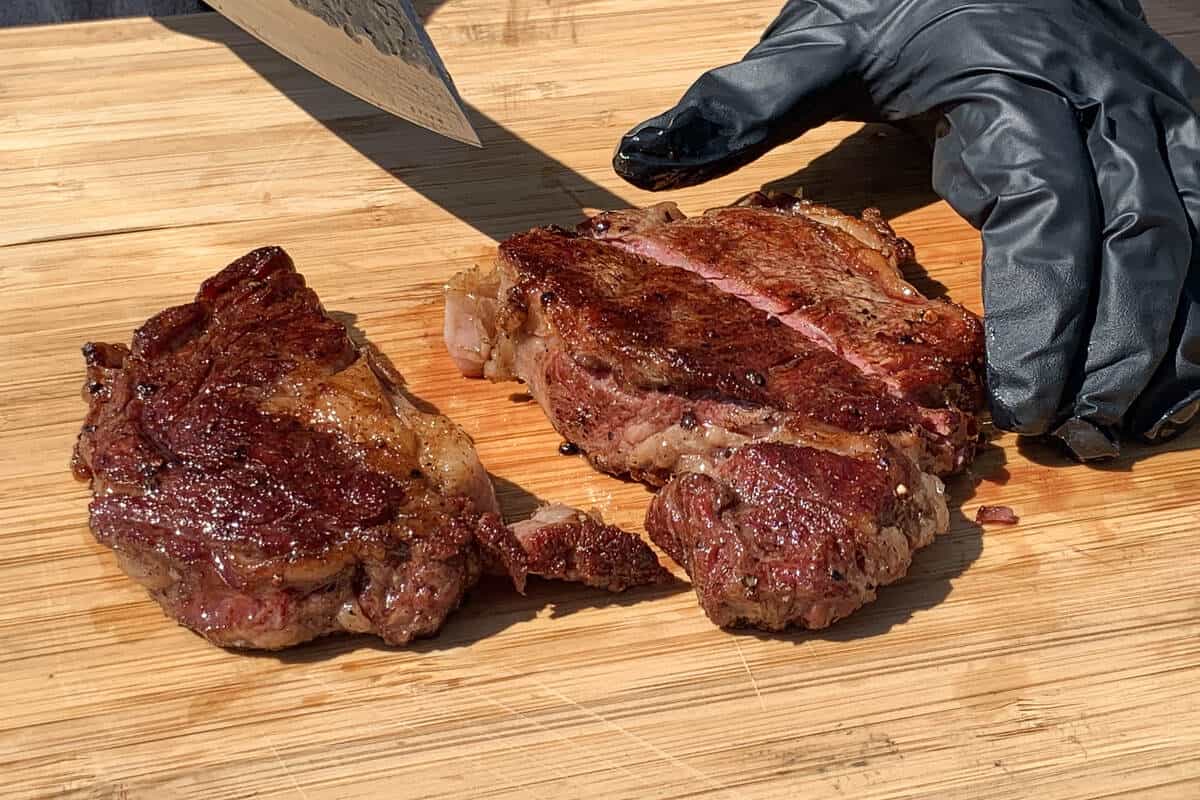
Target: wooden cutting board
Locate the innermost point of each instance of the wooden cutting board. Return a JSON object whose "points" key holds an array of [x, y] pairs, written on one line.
{"points": [[1055, 659]]}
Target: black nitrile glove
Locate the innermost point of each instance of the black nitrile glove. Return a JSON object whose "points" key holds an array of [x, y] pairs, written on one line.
{"points": [[1067, 132]]}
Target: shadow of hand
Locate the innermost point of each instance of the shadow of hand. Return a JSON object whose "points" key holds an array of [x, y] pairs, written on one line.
{"points": [[878, 166]]}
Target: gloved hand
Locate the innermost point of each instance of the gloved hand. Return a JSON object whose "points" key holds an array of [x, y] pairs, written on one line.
{"points": [[1066, 130]]}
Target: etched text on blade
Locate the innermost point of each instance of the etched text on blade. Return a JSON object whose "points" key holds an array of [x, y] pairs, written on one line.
{"points": [[383, 23]]}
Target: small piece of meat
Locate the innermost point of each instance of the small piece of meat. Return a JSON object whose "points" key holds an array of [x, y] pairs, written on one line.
{"points": [[781, 535], [996, 515], [565, 544], [833, 278], [268, 480]]}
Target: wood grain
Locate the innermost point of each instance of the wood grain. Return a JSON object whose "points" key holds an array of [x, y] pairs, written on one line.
{"points": [[1055, 659]]}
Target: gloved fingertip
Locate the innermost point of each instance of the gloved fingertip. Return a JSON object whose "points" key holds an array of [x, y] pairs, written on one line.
{"points": [[686, 152], [648, 139], [1174, 422], [645, 159], [1087, 441], [682, 147], [633, 170], [1028, 418]]}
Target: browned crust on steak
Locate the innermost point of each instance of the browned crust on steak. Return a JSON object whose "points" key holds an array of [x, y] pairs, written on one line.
{"points": [[871, 229], [264, 481], [782, 535], [832, 277], [268, 480], [658, 328]]}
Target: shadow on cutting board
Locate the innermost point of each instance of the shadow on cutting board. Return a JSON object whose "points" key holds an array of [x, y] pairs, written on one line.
{"points": [[506, 187], [1049, 453], [491, 607], [877, 166], [511, 186]]}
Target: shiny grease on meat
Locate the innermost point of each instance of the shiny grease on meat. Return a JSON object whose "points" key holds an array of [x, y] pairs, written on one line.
{"points": [[832, 277], [577, 317], [269, 481]]}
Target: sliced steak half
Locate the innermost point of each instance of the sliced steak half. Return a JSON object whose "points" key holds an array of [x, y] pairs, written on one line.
{"points": [[269, 481], [835, 279], [639, 363]]}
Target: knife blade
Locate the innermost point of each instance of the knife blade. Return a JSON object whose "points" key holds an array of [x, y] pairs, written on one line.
{"points": [[377, 50]]}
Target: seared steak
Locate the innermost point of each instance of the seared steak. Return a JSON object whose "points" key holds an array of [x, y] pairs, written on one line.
{"points": [[835, 279], [269, 481], [640, 363], [760, 352], [782, 535]]}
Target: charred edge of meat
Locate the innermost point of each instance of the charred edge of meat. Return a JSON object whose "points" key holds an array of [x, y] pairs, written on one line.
{"points": [[870, 227]]}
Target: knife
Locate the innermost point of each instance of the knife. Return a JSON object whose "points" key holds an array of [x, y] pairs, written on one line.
{"points": [[377, 50]]}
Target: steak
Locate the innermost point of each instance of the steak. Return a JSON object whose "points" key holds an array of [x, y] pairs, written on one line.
{"points": [[774, 338], [832, 277], [782, 535], [567, 544], [648, 367], [269, 480]]}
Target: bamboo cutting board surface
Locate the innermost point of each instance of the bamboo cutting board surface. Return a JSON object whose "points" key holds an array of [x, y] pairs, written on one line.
{"points": [[1055, 659]]}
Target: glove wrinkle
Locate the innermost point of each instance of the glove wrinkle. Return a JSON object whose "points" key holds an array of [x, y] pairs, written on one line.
{"points": [[1145, 254], [1161, 411], [1002, 172]]}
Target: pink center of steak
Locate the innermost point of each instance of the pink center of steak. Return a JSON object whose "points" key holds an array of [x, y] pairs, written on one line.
{"points": [[658, 328], [828, 286]]}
